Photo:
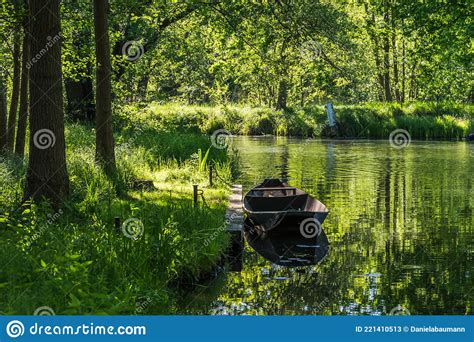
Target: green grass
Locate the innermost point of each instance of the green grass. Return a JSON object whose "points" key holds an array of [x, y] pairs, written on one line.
{"points": [[368, 120], [76, 262]]}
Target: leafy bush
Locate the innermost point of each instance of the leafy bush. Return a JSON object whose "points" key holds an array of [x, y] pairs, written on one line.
{"points": [[367, 120]]}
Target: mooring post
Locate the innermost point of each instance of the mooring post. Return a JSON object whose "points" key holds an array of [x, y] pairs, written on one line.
{"points": [[210, 176], [195, 194], [331, 117], [117, 224]]}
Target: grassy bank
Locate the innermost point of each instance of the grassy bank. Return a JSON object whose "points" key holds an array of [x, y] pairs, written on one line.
{"points": [[76, 262], [370, 120]]}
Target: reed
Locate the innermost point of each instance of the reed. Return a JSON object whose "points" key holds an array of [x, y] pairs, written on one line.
{"points": [[368, 120]]}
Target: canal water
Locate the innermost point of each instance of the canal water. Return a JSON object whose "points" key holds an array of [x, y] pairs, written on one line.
{"points": [[399, 237]]}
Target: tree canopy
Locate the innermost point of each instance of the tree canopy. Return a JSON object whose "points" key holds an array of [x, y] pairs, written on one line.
{"points": [[276, 53]]}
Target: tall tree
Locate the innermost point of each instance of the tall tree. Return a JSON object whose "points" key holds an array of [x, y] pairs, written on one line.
{"points": [[386, 53], [404, 57], [15, 93], [23, 110], [47, 175], [105, 153], [281, 102], [3, 112], [371, 30], [395, 55]]}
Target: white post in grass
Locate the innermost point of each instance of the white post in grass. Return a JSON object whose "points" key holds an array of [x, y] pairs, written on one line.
{"points": [[331, 117]]}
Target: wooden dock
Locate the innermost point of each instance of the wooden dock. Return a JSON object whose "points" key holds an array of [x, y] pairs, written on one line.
{"points": [[235, 215], [235, 226]]}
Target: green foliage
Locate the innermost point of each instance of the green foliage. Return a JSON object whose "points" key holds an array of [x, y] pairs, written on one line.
{"points": [[369, 120], [203, 159], [197, 64], [247, 52], [75, 261]]}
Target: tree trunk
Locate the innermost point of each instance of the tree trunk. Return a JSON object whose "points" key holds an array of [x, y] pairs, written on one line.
{"points": [[370, 26], [395, 71], [404, 56], [23, 112], [282, 94], [3, 113], [386, 56], [395, 58], [143, 87], [105, 154], [47, 173], [15, 94], [378, 66], [412, 91]]}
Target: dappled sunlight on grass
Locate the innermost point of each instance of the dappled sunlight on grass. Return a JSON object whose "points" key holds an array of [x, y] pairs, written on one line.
{"points": [[78, 261]]}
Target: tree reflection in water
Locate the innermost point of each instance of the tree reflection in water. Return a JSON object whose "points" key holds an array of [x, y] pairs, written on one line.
{"points": [[400, 225]]}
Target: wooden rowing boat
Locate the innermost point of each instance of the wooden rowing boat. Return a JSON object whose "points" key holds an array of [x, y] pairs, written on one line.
{"points": [[273, 202]]}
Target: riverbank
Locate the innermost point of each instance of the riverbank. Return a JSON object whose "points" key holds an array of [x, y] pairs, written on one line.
{"points": [[369, 120], [78, 260]]}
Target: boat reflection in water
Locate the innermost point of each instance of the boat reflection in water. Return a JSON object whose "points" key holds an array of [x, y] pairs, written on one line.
{"points": [[287, 247]]}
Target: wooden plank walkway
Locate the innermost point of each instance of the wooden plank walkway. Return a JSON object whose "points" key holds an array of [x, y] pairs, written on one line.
{"points": [[235, 215], [235, 226]]}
